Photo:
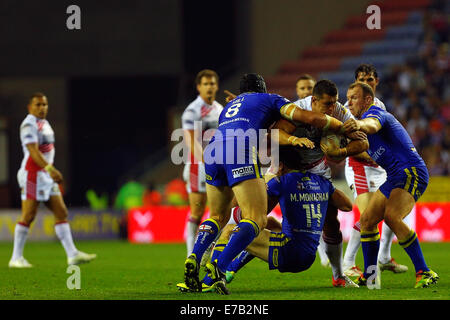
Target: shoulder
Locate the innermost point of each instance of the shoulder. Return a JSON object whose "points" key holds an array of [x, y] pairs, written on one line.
{"points": [[341, 112], [29, 121], [304, 103], [217, 105], [379, 103], [374, 112], [193, 108]]}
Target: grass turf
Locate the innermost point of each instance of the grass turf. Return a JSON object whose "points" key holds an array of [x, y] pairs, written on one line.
{"points": [[126, 271]]}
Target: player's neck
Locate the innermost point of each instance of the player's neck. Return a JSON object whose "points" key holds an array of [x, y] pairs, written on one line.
{"points": [[208, 100]]}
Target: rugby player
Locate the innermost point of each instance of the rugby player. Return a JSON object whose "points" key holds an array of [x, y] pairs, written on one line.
{"points": [[38, 180], [252, 110], [407, 178], [204, 110]]}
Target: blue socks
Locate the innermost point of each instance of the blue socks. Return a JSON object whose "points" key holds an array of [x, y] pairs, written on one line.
{"points": [[207, 233], [370, 243], [412, 248]]}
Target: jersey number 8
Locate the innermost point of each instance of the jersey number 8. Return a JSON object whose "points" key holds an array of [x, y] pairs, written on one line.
{"points": [[233, 110]]}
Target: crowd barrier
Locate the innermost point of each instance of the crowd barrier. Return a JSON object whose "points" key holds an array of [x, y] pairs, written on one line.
{"points": [[431, 221]]}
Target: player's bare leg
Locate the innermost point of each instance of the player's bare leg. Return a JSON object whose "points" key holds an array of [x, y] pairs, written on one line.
{"points": [[197, 204], [62, 229], [29, 211]]}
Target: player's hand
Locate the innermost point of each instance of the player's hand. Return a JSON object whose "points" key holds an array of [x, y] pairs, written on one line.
{"points": [[230, 96], [301, 142], [357, 135], [332, 153], [56, 175], [351, 125]]}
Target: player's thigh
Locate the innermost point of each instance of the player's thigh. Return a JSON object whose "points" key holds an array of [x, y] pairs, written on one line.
{"points": [[374, 212], [251, 196], [197, 203], [219, 200], [260, 245], [29, 210], [399, 205], [331, 225], [362, 201], [56, 204]]}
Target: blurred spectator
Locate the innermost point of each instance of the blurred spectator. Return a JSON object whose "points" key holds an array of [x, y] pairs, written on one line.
{"points": [[175, 193], [130, 195], [151, 196], [96, 202]]}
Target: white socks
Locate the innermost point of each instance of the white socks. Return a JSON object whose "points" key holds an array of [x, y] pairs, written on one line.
{"points": [[191, 232], [352, 247], [322, 253], [387, 235], [20, 237], [334, 253], [64, 234]]}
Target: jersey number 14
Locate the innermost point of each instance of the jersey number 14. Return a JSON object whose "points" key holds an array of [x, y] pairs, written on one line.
{"points": [[312, 212]]}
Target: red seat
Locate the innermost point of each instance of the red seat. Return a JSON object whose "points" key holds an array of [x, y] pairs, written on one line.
{"points": [[334, 50], [312, 65], [351, 35]]}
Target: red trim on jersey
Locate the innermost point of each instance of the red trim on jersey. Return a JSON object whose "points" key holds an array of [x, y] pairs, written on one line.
{"points": [[193, 177], [60, 222], [360, 179], [31, 184], [46, 147]]}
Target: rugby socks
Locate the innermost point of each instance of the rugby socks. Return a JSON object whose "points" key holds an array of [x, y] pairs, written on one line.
{"points": [[412, 248], [244, 233], [207, 233], [321, 250], [20, 237], [240, 261], [62, 230], [218, 248], [370, 243], [353, 246], [191, 231], [384, 256], [333, 249]]}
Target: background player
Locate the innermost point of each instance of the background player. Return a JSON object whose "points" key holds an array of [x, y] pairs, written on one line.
{"points": [[204, 110], [38, 180], [364, 177], [407, 178], [253, 109], [304, 86]]}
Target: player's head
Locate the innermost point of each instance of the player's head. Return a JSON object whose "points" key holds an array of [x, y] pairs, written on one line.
{"points": [[368, 74], [360, 97], [38, 105], [207, 82], [289, 159], [324, 96], [304, 86], [252, 82]]}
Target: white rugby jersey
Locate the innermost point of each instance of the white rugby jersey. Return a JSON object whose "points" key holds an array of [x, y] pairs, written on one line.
{"points": [[36, 130], [309, 156], [199, 110]]}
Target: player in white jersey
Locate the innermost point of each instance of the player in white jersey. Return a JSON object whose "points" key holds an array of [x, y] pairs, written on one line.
{"points": [[202, 114], [324, 100], [38, 180], [364, 177]]}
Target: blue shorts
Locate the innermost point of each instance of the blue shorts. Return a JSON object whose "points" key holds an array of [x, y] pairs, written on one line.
{"points": [[230, 162], [288, 255], [412, 179]]}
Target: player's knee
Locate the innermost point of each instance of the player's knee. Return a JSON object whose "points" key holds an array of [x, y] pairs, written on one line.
{"points": [[392, 218], [226, 231]]}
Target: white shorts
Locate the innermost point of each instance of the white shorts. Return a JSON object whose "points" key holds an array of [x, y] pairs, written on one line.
{"points": [[362, 178], [37, 185], [194, 176]]}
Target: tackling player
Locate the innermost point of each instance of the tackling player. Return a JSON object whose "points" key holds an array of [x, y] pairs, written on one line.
{"points": [[407, 178], [38, 180], [204, 112], [252, 110], [364, 177]]}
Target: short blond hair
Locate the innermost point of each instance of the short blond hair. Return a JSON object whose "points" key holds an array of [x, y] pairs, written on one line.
{"points": [[366, 89]]}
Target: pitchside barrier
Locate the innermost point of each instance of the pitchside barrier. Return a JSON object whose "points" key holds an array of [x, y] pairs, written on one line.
{"points": [[85, 224]]}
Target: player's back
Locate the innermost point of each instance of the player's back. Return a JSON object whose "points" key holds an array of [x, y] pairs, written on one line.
{"points": [[391, 147], [251, 111], [303, 199]]}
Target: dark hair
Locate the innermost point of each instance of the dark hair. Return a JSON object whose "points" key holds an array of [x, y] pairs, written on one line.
{"points": [[305, 76], [206, 73], [366, 69], [36, 95], [324, 87], [367, 90], [290, 157], [252, 82]]}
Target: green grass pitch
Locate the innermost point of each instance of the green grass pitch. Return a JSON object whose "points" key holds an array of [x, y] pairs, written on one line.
{"points": [[126, 271]]}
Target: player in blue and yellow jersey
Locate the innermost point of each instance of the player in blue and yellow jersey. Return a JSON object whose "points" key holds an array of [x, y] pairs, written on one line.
{"points": [[407, 178], [232, 169]]}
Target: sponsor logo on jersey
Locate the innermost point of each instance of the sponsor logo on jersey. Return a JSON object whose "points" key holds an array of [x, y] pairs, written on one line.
{"points": [[208, 177], [378, 153], [243, 171]]}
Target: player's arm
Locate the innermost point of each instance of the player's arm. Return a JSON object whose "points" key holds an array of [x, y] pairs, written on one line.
{"points": [[341, 201], [39, 159], [367, 125], [285, 129], [354, 147], [292, 112], [195, 147]]}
